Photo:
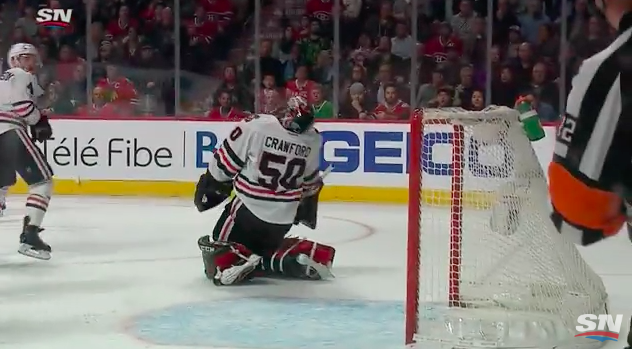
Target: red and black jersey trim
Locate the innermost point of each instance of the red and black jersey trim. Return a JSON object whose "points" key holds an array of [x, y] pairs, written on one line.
{"points": [[23, 108], [227, 160], [256, 191]]}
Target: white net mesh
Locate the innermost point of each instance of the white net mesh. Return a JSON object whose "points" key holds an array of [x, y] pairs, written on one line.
{"points": [[493, 271]]}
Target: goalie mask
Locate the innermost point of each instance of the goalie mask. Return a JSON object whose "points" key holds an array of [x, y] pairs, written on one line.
{"points": [[24, 56], [298, 117]]}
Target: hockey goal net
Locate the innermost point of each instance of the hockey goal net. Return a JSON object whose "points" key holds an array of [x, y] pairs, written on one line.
{"points": [[486, 268]]}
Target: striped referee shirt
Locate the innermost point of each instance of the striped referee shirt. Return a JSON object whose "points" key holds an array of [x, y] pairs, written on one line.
{"points": [[590, 177]]}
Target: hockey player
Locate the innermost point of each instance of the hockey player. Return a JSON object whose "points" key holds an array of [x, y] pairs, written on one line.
{"points": [[273, 165], [18, 153], [590, 177]]}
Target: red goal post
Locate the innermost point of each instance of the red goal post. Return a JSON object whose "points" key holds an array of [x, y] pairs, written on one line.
{"points": [[501, 263]]}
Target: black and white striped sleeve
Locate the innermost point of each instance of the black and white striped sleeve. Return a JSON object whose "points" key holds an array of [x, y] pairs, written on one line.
{"points": [[230, 157]]}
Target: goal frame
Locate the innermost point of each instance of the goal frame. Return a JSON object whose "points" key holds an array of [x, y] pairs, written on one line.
{"points": [[415, 197]]}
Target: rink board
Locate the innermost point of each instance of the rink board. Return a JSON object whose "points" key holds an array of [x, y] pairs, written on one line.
{"points": [[164, 158]]}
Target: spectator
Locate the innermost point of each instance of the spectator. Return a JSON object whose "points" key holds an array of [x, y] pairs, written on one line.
{"points": [[437, 47], [514, 42], [577, 21], [543, 87], [504, 88], [392, 108], [270, 100], [323, 72], [320, 9], [316, 42], [546, 112], [475, 44], [532, 20], [68, 61], [287, 43], [268, 65], [451, 66], [402, 44], [384, 78], [292, 63], [463, 22], [90, 45], [321, 108], [224, 108], [443, 99], [465, 88], [477, 102], [28, 23], [383, 24], [218, 12], [120, 26], [162, 35], [382, 55], [131, 45], [74, 92], [120, 90], [239, 94], [548, 44], [504, 19], [428, 92], [100, 105], [524, 62], [301, 86], [55, 103], [355, 105], [358, 75], [594, 40]]}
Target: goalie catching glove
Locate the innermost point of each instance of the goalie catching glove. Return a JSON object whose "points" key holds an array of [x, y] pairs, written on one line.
{"points": [[209, 192]]}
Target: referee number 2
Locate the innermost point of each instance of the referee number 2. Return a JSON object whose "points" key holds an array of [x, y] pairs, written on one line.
{"points": [[567, 129]]}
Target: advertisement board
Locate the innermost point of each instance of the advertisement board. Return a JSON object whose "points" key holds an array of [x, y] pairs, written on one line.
{"points": [[366, 156]]}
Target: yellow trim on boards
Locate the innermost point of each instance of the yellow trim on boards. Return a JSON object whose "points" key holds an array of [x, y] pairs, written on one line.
{"points": [[438, 197]]}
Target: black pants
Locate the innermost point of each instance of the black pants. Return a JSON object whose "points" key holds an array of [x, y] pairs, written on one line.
{"points": [[18, 153], [238, 224]]}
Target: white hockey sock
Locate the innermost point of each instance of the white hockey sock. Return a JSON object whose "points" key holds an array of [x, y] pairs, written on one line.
{"points": [[37, 202], [3, 195]]}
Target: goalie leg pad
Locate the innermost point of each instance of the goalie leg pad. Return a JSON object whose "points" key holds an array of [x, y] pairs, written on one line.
{"points": [[301, 258], [227, 263]]}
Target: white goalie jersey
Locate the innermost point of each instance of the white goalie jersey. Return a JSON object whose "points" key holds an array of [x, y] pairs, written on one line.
{"points": [[19, 91], [270, 166]]}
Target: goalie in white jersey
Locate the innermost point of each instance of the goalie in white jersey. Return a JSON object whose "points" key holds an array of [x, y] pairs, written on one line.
{"points": [[273, 165], [18, 153]]}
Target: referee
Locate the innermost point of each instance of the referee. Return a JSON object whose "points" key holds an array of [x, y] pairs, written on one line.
{"points": [[590, 177], [591, 173]]}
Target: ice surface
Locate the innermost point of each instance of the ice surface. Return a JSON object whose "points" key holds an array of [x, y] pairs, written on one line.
{"points": [[126, 274]]}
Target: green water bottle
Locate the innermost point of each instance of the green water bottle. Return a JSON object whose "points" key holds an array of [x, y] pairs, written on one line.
{"points": [[530, 119]]}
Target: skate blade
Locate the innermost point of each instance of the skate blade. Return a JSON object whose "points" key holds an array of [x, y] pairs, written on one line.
{"points": [[27, 250], [322, 270]]}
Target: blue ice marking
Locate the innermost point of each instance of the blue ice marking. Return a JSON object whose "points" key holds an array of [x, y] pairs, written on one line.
{"points": [[276, 323]]}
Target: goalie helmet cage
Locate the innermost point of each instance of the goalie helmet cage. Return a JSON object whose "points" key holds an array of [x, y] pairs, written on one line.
{"points": [[485, 266]]}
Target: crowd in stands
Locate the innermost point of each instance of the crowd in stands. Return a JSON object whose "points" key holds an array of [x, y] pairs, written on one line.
{"points": [[119, 58]]}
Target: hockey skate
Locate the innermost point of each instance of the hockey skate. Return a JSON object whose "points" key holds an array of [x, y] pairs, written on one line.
{"points": [[31, 244]]}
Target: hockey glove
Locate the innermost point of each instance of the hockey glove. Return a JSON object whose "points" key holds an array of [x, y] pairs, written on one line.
{"points": [[210, 193], [42, 131]]}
